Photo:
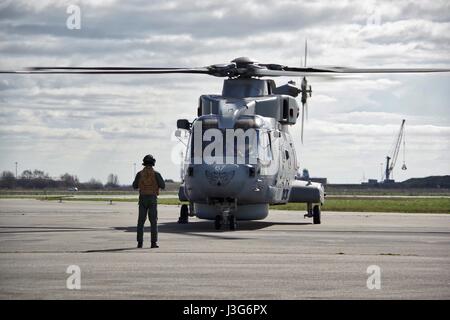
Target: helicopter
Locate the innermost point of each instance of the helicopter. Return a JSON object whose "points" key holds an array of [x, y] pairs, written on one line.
{"points": [[240, 156]]}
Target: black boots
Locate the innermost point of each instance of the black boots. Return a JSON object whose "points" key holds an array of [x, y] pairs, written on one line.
{"points": [[154, 245]]}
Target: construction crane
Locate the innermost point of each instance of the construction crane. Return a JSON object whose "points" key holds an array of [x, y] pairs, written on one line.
{"points": [[392, 158]]}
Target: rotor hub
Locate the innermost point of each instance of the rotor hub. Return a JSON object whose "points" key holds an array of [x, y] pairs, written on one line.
{"points": [[243, 62]]}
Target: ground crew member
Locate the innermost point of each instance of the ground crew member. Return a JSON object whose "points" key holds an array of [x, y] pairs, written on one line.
{"points": [[148, 181]]}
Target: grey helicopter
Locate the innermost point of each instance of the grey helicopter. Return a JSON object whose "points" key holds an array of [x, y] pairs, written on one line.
{"points": [[240, 156]]}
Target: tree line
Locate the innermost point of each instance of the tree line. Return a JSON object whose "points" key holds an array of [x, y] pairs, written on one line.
{"points": [[38, 179]]}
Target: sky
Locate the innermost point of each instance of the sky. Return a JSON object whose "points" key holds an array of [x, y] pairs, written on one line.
{"points": [[94, 125]]}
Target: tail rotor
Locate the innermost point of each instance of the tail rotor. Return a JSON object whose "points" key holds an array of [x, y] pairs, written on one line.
{"points": [[305, 90]]}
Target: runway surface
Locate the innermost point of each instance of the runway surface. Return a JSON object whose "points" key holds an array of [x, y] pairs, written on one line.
{"points": [[282, 257]]}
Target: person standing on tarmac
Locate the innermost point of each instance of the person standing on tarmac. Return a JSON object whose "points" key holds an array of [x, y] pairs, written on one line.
{"points": [[148, 181]]}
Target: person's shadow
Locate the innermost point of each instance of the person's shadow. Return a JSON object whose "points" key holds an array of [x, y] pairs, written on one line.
{"points": [[206, 228], [110, 250]]}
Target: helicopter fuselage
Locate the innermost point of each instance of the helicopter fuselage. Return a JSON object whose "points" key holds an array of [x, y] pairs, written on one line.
{"points": [[241, 156]]}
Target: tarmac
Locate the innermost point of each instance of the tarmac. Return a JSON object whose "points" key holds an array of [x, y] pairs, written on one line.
{"points": [[282, 257]]}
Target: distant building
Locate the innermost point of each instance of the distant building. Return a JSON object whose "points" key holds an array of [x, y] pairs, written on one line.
{"points": [[371, 182]]}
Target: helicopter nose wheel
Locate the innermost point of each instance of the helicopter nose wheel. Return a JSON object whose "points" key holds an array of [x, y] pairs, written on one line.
{"points": [[184, 214], [231, 220]]}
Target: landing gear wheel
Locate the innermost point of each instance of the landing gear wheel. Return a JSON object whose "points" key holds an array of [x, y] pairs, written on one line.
{"points": [[218, 222], [232, 222], [191, 209], [316, 214], [184, 214]]}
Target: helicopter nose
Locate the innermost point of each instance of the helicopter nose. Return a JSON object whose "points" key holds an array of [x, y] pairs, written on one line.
{"points": [[220, 175], [221, 181]]}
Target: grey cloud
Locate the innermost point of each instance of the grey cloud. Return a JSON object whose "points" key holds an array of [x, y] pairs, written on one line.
{"points": [[350, 119], [238, 19]]}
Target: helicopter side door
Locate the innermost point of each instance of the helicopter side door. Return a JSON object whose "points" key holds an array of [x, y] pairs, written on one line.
{"points": [[283, 179]]}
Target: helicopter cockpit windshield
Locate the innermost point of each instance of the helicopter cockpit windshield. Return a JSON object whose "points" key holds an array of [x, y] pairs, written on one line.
{"points": [[246, 143]]}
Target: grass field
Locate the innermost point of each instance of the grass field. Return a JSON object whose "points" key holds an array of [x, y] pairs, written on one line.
{"points": [[404, 205], [380, 191]]}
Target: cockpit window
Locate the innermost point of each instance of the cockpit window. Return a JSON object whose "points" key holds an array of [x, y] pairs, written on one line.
{"points": [[265, 154], [243, 144]]}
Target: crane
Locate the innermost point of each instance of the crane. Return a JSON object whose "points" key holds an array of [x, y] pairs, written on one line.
{"points": [[392, 158]]}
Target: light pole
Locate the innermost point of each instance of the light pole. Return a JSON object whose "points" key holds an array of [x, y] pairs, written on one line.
{"points": [[381, 170], [16, 169]]}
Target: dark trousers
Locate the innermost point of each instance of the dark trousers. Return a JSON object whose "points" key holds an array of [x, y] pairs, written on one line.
{"points": [[147, 206]]}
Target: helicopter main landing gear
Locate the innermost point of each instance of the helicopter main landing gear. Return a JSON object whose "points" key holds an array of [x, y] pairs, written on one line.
{"points": [[184, 214], [316, 214], [232, 222], [186, 211], [313, 212], [218, 222]]}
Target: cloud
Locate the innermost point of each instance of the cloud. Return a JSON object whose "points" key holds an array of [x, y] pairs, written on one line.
{"points": [[115, 119]]}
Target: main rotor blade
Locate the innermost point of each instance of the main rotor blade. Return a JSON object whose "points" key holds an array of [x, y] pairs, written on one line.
{"points": [[332, 72], [104, 68], [107, 70], [230, 70], [334, 69], [282, 73]]}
